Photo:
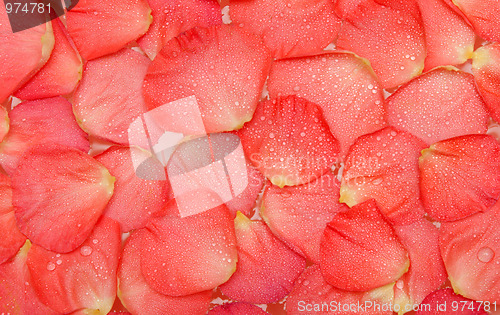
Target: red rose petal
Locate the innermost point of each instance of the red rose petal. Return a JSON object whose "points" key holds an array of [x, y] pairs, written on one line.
{"points": [[438, 105], [245, 201], [426, 272], [313, 295], [470, 249], [139, 298], [266, 268], [44, 121], [237, 308], [342, 84], [460, 176], [384, 166], [360, 250], [4, 122], [12, 238], [181, 256], [61, 73], [226, 89], [289, 141], [445, 300], [484, 15], [17, 294], [289, 28], [486, 70], [135, 200], [298, 215], [59, 193], [390, 38], [171, 18], [82, 279], [100, 28], [22, 53], [109, 99], [449, 39], [344, 8]]}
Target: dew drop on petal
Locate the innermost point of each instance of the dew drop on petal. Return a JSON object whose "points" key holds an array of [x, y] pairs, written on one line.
{"points": [[399, 284], [51, 266], [86, 250], [485, 254]]}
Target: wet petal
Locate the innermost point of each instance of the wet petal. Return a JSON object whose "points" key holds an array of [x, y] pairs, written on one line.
{"points": [[384, 166], [22, 53], [17, 294], [61, 73], [342, 84], [289, 141], [298, 215], [100, 28], [313, 295], [390, 37], [46, 121], [289, 28], [460, 176], [438, 105], [82, 279], [12, 238], [426, 272], [108, 99], [266, 268], [135, 200], [139, 298], [59, 193], [470, 248], [360, 250], [449, 39], [226, 89], [171, 18], [181, 256], [484, 15], [486, 70]]}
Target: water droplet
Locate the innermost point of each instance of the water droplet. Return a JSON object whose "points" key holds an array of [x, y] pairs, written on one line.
{"points": [[485, 254], [271, 135], [51, 266], [86, 250], [400, 284], [377, 181]]}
